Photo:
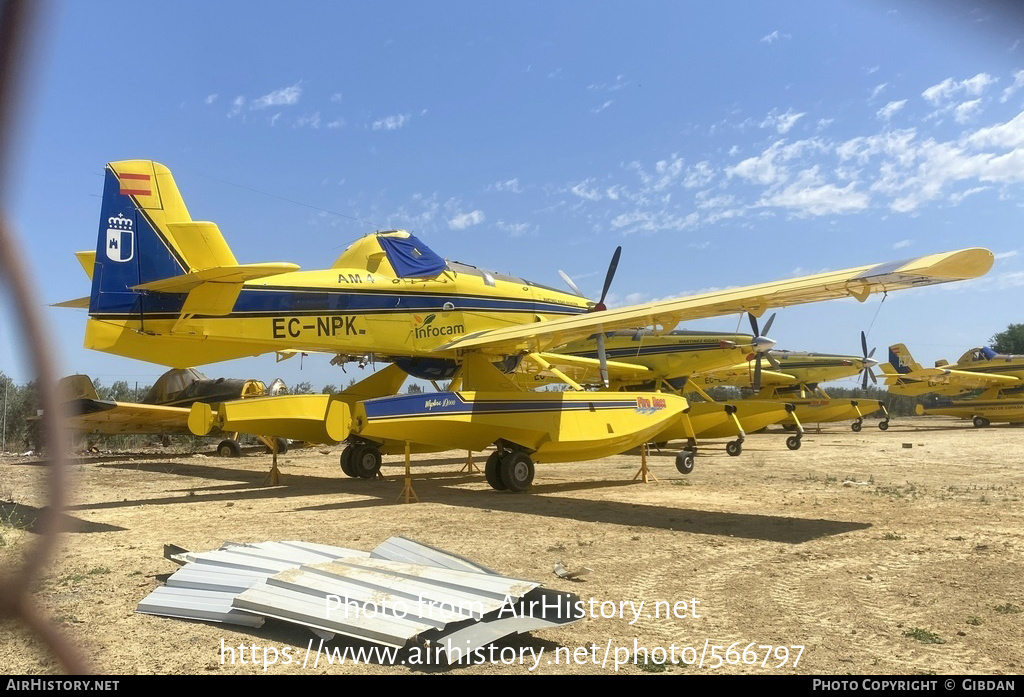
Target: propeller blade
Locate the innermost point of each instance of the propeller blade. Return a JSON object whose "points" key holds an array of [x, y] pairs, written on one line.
{"points": [[753, 325], [569, 282], [872, 354], [864, 385], [603, 358], [864, 343], [757, 374], [774, 361], [872, 374], [609, 276], [768, 327]]}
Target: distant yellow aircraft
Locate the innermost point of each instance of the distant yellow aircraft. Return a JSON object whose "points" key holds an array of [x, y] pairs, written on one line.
{"points": [[168, 290], [797, 381], [999, 377], [642, 359], [165, 408]]}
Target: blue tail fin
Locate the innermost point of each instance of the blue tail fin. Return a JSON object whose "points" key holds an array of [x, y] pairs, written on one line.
{"points": [[132, 245]]}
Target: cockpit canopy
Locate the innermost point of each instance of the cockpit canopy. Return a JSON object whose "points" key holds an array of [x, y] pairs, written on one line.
{"points": [[171, 383]]}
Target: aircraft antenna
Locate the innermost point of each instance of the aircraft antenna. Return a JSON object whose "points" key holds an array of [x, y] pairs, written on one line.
{"points": [[292, 201]]}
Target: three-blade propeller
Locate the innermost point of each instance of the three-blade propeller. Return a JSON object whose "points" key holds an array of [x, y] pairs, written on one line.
{"points": [[762, 346], [599, 307], [869, 362]]}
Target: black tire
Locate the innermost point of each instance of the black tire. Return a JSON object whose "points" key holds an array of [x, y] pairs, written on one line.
{"points": [[684, 461], [856, 426], [229, 448], [980, 422], [492, 471], [346, 461], [734, 447], [883, 425], [517, 471], [282, 446], [793, 442], [365, 461]]}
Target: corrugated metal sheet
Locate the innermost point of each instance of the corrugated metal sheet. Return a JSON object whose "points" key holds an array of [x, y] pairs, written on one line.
{"points": [[400, 592]]}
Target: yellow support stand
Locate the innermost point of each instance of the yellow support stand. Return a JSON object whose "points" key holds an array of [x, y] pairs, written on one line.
{"points": [[643, 473], [274, 478], [408, 494], [470, 466]]}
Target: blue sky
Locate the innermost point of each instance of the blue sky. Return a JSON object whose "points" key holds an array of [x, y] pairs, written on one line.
{"points": [[720, 144]]}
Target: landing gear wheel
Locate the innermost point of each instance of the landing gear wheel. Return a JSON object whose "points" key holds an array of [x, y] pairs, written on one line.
{"points": [[980, 422], [346, 461], [793, 442], [856, 426], [229, 448], [365, 460], [492, 470], [734, 447], [282, 446], [517, 471], [883, 425], [684, 461]]}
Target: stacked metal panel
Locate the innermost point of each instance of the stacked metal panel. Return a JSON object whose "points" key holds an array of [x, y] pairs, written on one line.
{"points": [[400, 592]]}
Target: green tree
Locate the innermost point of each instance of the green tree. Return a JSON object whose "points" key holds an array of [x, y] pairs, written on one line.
{"points": [[329, 389], [1010, 341], [303, 388]]}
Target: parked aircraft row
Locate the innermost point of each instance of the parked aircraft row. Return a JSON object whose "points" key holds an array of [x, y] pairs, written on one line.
{"points": [[168, 290]]}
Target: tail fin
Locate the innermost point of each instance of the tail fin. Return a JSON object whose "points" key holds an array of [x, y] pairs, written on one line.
{"points": [[901, 359], [133, 245]]}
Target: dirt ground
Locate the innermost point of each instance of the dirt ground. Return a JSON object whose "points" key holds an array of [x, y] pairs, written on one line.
{"points": [[875, 557]]}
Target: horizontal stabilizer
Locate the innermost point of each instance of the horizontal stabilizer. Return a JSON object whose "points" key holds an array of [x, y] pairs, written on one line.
{"points": [[216, 274], [77, 303]]}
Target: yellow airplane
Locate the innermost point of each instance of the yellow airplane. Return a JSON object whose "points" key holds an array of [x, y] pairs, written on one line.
{"points": [[646, 360], [165, 408], [797, 381], [168, 290], [999, 377]]}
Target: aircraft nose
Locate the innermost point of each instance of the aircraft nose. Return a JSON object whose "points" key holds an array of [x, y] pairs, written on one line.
{"points": [[869, 362], [763, 344]]}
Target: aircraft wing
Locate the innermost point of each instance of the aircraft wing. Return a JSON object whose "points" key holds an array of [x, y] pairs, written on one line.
{"points": [[105, 417], [966, 379], [742, 375], [858, 282]]}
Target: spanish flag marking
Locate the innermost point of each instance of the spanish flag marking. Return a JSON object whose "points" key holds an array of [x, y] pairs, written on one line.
{"points": [[136, 184]]}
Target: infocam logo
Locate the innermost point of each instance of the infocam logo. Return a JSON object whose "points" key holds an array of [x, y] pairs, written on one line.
{"points": [[427, 329]]}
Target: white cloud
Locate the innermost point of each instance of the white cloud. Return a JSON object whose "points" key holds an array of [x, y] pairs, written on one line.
{"points": [[809, 195], [507, 185], [1007, 255], [211, 98], [1018, 80], [886, 112], [878, 90], [774, 36], [781, 122], [311, 121], [236, 106], [602, 107], [948, 88], [903, 243], [391, 123], [586, 191], [286, 96], [465, 220], [336, 97], [337, 123], [966, 111]]}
